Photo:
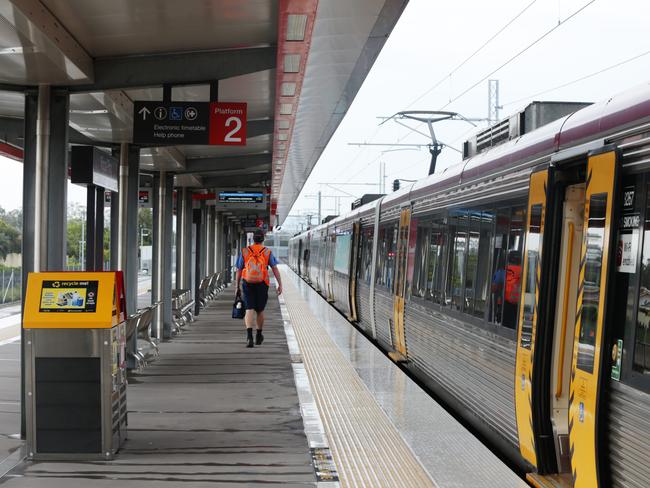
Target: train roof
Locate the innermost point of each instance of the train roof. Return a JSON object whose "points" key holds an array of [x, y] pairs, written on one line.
{"points": [[615, 114]]}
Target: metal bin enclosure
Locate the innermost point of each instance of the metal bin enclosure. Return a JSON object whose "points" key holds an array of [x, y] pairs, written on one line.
{"points": [[75, 366]]}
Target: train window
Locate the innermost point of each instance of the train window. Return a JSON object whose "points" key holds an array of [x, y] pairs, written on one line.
{"points": [[506, 267], [435, 263], [366, 255], [472, 259], [342, 253], [591, 286], [458, 229], [483, 264], [530, 292], [419, 286], [386, 256]]}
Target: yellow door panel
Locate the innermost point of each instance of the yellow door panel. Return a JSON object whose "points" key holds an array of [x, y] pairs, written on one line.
{"points": [[590, 317], [528, 313]]}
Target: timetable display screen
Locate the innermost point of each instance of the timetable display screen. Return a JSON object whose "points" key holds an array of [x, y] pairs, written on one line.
{"points": [[241, 197]]}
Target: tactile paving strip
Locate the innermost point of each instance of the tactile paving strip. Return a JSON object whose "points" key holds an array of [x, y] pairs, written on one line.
{"points": [[367, 449]]}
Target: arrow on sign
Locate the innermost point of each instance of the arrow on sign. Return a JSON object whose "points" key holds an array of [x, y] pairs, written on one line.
{"points": [[144, 111]]}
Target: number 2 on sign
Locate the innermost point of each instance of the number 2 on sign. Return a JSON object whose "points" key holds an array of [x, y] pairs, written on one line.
{"points": [[230, 136], [228, 123]]}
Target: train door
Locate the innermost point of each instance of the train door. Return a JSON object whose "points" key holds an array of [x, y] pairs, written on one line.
{"points": [[299, 256], [399, 288], [354, 271], [561, 340], [588, 367]]}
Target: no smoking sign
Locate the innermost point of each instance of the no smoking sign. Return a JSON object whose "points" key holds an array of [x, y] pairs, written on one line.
{"points": [[227, 124]]}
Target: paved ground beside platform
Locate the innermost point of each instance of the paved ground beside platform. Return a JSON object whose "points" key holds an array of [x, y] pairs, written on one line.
{"points": [[208, 412]]}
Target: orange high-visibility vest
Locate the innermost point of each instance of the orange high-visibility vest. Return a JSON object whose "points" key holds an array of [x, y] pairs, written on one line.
{"points": [[513, 283], [256, 262]]}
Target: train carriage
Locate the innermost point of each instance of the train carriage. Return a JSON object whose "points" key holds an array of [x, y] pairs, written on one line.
{"points": [[516, 285]]}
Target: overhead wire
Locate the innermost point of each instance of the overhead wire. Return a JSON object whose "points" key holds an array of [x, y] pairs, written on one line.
{"points": [[560, 23], [577, 80], [442, 80], [471, 56], [519, 53]]}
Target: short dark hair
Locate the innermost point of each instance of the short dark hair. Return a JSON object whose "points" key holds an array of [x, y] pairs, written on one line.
{"points": [[258, 236]]}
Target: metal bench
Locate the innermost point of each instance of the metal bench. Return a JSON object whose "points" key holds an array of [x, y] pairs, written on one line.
{"points": [[132, 323], [182, 306], [147, 346]]}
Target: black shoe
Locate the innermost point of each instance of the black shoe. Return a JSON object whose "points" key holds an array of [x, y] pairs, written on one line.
{"points": [[259, 338], [249, 342]]}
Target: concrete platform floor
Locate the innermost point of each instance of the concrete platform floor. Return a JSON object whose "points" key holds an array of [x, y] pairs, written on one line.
{"points": [[208, 412]]}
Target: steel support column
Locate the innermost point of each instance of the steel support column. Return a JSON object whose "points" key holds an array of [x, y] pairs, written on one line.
{"points": [[196, 219], [203, 227], [218, 228], [183, 237], [162, 283], [125, 207], [45, 178], [209, 233]]}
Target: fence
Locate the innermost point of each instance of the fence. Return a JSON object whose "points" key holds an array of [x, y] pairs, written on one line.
{"points": [[11, 285]]}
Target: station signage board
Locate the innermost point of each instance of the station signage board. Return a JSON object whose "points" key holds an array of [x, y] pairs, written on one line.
{"points": [[252, 199], [240, 197], [92, 166], [181, 123], [144, 198]]}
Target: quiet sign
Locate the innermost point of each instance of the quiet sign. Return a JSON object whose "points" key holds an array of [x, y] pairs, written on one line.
{"points": [[180, 123]]}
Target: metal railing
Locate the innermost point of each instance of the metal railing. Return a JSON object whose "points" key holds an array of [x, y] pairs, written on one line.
{"points": [[11, 280]]}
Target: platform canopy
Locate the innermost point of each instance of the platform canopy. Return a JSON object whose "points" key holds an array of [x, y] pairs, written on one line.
{"points": [[298, 64]]}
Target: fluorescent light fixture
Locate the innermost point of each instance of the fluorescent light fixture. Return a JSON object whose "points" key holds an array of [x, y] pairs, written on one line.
{"points": [[286, 108], [282, 145], [283, 124], [296, 24], [291, 63], [283, 137], [90, 112], [288, 89]]}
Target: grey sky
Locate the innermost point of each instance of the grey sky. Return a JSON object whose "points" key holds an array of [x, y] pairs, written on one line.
{"points": [[431, 38]]}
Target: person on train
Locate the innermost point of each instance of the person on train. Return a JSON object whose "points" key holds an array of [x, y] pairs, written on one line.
{"points": [[508, 280], [253, 276]]}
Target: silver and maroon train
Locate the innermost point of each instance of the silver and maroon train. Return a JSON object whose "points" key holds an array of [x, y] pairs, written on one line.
{"points": [[516, 286]]}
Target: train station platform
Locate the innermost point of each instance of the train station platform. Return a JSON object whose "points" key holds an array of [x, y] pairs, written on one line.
{"points": [[316, 405]]}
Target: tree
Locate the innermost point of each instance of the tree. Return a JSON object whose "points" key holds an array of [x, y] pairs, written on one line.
{"points": [[9, 240], [145, 221], [74, 237]]}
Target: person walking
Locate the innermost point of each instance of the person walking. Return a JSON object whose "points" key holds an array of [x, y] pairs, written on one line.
{"points": [[253, 279]]}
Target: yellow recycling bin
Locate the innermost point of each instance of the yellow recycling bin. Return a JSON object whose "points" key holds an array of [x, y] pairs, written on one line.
{"points": [[75, 365]]}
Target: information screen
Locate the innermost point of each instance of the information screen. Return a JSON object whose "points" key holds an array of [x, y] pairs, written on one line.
{"points": [[243, 197], [68, 296]]}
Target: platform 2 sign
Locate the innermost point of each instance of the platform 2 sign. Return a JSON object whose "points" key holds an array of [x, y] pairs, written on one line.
{"points": [[68, 296], [181, 123]]}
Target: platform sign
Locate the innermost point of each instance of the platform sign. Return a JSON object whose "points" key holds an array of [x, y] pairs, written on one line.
{"points": [[170, 122], [181, 123], [228, 124]]}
